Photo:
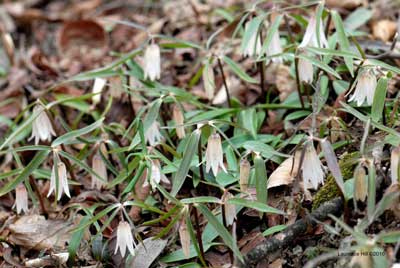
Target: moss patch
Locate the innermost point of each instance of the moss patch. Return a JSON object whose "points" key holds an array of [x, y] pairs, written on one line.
{"points": [[330, 189]]}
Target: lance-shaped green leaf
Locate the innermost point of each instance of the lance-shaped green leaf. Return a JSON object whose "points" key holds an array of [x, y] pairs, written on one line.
{"points": [[274, 229], [379, 99], [251, 30], [261, 179], [152, 114], [201, 199], [333, 164], [262, 207], [371, 191], [320, 65], [188, 154], [238, 70], [77, 133], [271, 31], [26, 172], [343, 41], [222, 231]]}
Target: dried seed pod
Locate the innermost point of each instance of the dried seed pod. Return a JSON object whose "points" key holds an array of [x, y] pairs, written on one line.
{"points": [[244, 175]]}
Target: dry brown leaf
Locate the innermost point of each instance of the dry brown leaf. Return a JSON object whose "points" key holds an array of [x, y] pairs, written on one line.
{"points": [[34, 231], [285, 173], [284, 81], [384, 29]]}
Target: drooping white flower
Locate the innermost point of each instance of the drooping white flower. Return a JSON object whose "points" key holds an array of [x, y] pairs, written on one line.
{"points": [[275, 47], [214, 154], [62, 185], [98, 167], [209, 81], [253, 46], [365, 88], [21, 198], [311, 36], [156, 175], [153, 135], [313, 175], [152, 62], [98, 86], [124, 239], [395, 165], [306, 71], [178, 117], [41, 126]]}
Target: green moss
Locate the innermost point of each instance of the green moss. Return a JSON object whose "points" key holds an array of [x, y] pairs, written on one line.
{"points": [[330, 190]]}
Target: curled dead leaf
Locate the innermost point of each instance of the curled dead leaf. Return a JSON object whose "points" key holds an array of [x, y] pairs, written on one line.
{"points": [[79, 37], [285, 173]]}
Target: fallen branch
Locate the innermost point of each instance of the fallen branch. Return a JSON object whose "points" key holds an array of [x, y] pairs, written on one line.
{"points": [[289, 235]]}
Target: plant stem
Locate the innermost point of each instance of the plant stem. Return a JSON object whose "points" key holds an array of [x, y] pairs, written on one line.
{"points": [[228, 96], [227, 227], [296, 67], [39, 195], [198, 233], [200, 155]]}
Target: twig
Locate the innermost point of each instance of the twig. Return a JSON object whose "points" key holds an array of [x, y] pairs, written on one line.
{"points": [[228, 96], [292, 232]]}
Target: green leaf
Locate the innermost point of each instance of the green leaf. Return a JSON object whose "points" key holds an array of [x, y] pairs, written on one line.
{"points": [[271, 31], [262, 207], [251, 30], [357, 18], [238, 71], [152, 114], [379, 99], [26, 172], [77, 133], [76, 239], [225, 235], [365, 118], [201, 199], [320, 64], [190, 150], [333, 164], [333, 52], [342, 39], [274, 229], [261, 179]]}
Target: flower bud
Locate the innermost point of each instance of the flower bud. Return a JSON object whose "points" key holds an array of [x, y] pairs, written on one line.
{"points": [[184, 237], [230, 210], [395, 165], [360, 183], [306, 71], [244, 175], [98, 167], [209, 81], [177, 115]]}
